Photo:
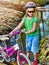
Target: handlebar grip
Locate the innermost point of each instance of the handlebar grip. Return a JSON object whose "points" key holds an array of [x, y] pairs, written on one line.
{"points": [[4, 35], [17, 32]]}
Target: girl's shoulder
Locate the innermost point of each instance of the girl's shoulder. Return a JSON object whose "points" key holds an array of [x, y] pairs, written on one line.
{"points": [[35, 19], [24, 18]]}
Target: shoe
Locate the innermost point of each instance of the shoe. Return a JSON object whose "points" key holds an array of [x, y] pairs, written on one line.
{"points": [[35, 62]]}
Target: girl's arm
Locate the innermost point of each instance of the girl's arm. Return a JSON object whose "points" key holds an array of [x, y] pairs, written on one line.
{"points": [[17, 28], [33, 29]]}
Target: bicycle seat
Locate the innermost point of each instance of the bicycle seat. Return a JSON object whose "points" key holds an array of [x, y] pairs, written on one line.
{"points": [[4, 38]]}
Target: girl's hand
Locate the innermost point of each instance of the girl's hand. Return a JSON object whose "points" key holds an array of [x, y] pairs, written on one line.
{"points": [[10, 34], [25, 32]]}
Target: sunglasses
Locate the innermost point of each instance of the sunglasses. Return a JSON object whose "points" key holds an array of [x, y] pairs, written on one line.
{"points": [[31, 11]]}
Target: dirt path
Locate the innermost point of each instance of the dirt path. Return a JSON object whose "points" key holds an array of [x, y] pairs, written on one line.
{"points": [[13, 63], [2, 64]]}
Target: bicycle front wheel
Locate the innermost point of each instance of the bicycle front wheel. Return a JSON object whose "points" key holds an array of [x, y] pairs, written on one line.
{"points": [[1, 58], [23, 60], [7, 58]]}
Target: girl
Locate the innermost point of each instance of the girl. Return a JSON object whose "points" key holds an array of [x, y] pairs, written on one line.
{"points": [[30, 21]]}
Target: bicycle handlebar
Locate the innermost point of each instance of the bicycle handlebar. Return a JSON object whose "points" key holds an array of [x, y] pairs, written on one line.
{"points": [[6, 35], [16, 32], [3, 35]]}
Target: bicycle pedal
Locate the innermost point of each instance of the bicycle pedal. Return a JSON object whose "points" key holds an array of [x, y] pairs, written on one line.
{"points": [[12, 59]]}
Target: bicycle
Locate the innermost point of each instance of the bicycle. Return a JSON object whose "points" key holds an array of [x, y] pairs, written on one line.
{"points": [[22, 59]]}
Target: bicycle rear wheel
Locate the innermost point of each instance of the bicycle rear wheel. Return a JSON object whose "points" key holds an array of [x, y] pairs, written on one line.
{"points": [[1, 58], [23, 60]]}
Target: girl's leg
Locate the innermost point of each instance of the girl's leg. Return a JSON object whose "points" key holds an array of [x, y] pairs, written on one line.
{"points": [[35, 56], [28, 45], [35, 59], [28, 54], [35, 49]]}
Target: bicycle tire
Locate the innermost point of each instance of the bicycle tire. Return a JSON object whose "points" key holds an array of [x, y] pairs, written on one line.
{"points": [[26, 58], [1, 58], [7, 58]]}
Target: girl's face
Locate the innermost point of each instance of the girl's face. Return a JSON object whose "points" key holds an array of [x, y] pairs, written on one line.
{"points": [[30, 12]]}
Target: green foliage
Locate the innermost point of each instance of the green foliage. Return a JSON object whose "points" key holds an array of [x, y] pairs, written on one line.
{"points": [[44, 50], [40, 1], [47, 0]]}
